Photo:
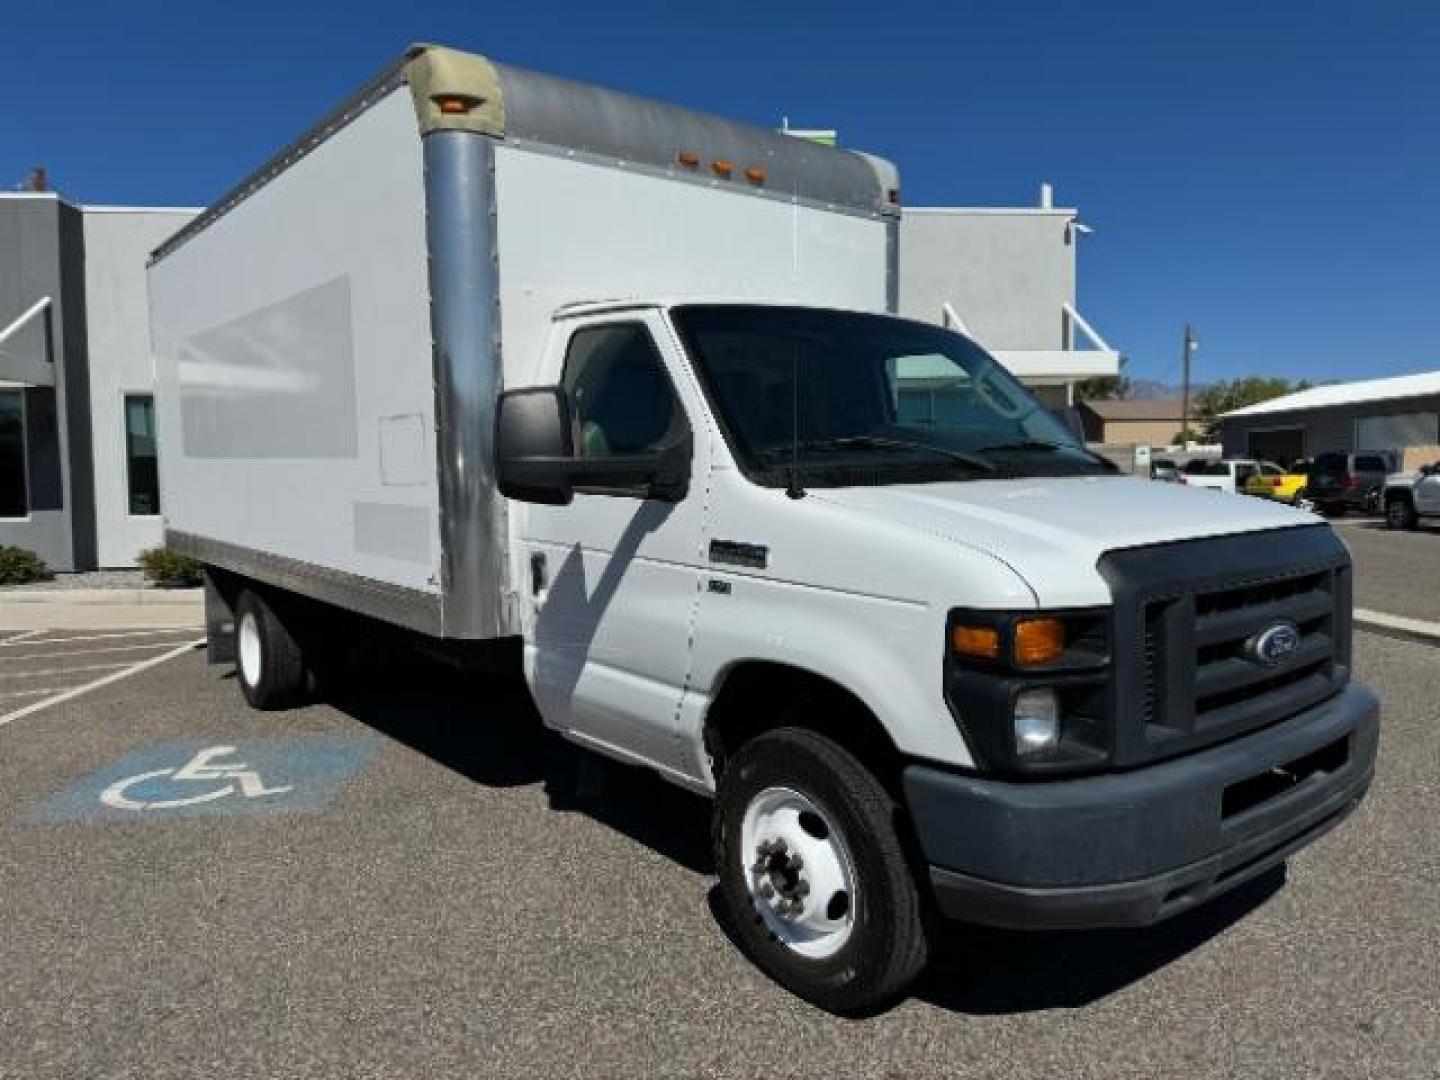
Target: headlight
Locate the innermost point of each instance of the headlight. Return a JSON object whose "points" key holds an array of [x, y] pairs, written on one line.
{"points": [[1030, 689], [1037, 722]]}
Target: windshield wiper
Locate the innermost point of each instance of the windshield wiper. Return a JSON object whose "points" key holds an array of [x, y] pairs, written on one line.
{"points": [[1026, 444], [880, 442], [1051, 447]]}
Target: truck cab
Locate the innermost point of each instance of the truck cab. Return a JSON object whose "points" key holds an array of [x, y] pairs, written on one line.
{"points": [[842, 571]]}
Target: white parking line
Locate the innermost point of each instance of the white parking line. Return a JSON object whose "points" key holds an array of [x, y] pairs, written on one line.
{"points": [[104, 680], [60, 670], [1384, 621], [84, 652], [27, 638], [30, 693]]}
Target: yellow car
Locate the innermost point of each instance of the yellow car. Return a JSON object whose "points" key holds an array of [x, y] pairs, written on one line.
{"points": [[1270, 481]]}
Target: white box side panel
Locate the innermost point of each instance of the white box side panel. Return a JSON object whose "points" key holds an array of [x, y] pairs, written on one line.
{"points": [[293, 345], [570, 230]]}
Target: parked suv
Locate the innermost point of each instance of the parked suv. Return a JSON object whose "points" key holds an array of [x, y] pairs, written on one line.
{"points": [[1341, 482], [1411, 496]]}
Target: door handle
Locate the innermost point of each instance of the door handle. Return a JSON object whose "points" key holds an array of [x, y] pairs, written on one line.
{"points": [[538, 574]]}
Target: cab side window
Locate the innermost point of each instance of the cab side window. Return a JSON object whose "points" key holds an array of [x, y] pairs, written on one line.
{"points": [[623, 401]]}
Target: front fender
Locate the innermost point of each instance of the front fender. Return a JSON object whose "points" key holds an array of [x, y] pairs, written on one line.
{"points": [[887, 653]]}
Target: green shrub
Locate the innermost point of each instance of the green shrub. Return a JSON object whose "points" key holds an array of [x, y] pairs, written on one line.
{"points": [[21, 567], [166, 567]]}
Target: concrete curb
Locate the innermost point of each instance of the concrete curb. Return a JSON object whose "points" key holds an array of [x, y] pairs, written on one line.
{"points": [[1379, 622], [187, 597]]}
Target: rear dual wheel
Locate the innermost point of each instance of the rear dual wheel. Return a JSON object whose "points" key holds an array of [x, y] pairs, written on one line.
{"points": [[268, 660], [814, 873]]}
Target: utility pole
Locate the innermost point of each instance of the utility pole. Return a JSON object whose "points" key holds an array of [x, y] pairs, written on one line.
{"points": [[1186, 349]]}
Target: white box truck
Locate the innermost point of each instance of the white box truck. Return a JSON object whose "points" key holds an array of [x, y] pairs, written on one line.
{"points": [[492, 358]]}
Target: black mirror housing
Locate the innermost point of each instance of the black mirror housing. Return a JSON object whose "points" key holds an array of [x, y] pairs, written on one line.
{"points": [[533, 445], [535, 458]]}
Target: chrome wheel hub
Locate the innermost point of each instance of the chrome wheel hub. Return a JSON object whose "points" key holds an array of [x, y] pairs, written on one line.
{"points": [[800, 875]]}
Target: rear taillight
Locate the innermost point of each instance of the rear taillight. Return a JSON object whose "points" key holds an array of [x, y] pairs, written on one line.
{"points": [[1347, 481], [1275, 481]]}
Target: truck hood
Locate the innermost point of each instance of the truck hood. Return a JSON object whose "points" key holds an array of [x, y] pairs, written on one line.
{"points": [[1053, 530]]}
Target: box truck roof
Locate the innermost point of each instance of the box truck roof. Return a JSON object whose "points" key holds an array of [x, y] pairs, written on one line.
{"points": [[455, 90]]}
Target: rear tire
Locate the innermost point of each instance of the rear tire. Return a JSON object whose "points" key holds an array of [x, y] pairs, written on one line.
{"points": [[268, 660], [862, 935], [1399, 514]]}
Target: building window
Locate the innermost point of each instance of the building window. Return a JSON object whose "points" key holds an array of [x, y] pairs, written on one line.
{"points": [[14, 498], [141, 466]]}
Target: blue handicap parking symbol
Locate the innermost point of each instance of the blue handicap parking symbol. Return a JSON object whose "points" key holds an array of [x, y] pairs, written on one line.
{"points": [[193, 778]]}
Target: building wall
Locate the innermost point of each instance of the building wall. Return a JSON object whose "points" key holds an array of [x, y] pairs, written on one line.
{"points": [[1149, 432], [117, 244], [1331, 429], [35, 234], [1007, 273]]}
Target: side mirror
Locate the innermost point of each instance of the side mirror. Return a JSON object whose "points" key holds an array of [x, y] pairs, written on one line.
{"points": [[535, 456], [533, 447]]}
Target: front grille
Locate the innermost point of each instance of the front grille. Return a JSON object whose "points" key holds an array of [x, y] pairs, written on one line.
{"points": [[1190, 609]]}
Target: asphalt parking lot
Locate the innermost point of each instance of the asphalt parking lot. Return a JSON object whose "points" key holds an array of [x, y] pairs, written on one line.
{"points": [[419, 882], [1395, 571]]}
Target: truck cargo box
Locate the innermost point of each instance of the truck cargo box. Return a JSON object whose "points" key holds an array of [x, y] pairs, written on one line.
{"points": [[331, 336]]}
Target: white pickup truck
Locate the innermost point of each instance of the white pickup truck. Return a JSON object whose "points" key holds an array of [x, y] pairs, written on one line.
{"points": [[1228, 475], [451, 373], [1410, 496]]}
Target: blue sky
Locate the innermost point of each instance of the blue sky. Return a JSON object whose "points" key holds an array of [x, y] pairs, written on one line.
{"points": [[1267, 171]]}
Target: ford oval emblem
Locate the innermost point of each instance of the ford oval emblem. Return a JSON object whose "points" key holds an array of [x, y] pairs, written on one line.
{"points": [[1275, 644]]}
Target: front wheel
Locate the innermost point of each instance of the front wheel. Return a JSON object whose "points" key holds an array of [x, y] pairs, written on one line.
{"points": [[815, 875], [1399, 514]]}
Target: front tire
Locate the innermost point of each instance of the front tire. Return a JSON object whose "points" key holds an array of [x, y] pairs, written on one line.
{"points": [[268, 660], [1399, 514], [815, 875]]}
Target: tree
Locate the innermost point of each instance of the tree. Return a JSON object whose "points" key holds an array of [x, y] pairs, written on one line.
{"points": [[1105, 387], [1227, 394]]}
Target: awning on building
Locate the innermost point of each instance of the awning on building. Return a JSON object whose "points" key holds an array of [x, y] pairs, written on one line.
{"points": [[1059, 365], [26, 355]]}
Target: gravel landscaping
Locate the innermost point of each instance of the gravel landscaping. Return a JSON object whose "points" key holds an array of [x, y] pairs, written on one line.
{"points": [[91, 579]]}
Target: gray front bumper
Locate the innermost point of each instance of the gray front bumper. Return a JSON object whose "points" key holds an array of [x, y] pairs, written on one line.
{"points": [[1128, 849]]}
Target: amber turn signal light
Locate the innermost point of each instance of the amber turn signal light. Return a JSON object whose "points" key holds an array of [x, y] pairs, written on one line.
{"points": [[688, 158], [977, 642], [455, 104], [721, 167], [1039, 641]]}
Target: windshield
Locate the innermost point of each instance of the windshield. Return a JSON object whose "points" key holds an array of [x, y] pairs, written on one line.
{"points": [[842, 399]]}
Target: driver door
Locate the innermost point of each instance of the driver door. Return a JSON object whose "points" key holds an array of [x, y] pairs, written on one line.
{"points": [[613, 580]]}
